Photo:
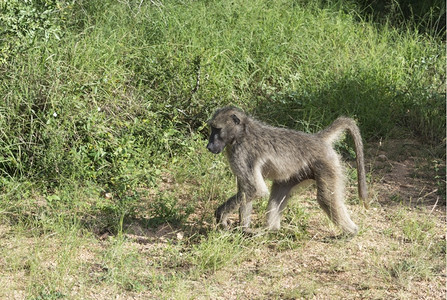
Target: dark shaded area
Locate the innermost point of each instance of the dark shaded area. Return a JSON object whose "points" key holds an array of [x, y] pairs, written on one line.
{"points": [[428, 16], [374, 102]]}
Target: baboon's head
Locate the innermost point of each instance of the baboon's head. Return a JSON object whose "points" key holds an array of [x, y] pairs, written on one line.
{"points": [[226, 127]]}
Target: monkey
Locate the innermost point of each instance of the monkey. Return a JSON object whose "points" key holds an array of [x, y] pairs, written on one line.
{"points": [[257, 151]]}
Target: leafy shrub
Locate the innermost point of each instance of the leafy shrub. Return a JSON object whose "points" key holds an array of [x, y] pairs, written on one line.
{"points": [[24, 22], [166, 208]]}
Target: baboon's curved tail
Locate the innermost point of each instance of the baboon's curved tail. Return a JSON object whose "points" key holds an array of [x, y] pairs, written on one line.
{"points": [[333, 133]]}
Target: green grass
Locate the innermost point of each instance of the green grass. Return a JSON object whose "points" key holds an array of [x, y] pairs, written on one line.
{"points": [[103, 109]]}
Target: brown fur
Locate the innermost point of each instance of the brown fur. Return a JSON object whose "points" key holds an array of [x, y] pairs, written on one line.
{"points": [[287, 157]]}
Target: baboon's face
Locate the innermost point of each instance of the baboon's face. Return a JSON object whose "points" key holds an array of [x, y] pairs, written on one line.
{"points": [[216, 143], [225, 127]]}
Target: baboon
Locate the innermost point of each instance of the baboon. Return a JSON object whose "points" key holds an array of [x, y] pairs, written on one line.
{"points": [[287, 157]]}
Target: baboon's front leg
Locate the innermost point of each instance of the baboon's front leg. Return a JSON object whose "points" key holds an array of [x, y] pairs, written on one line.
{"points": [[245, 212], [243, 200]]}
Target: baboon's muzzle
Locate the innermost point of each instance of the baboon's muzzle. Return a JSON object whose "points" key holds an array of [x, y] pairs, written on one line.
{"points": [[213, 148]]}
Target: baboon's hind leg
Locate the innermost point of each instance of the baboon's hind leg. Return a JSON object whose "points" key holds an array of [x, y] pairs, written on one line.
{"points": [[330, 196], [277, 202]]}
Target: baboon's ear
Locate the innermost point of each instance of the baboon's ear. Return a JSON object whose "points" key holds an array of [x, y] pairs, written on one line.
{"points": [[236, 119]]}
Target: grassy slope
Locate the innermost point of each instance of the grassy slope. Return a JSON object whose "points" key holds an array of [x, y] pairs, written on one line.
{"points": [[99, 145]]}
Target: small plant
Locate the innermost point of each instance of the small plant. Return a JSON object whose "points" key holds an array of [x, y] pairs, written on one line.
{"points": [[414, 230], [49, 295], [406, 270], [217, 250], [440, 177], [121, 265], [165, 208], [417, 230]]}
